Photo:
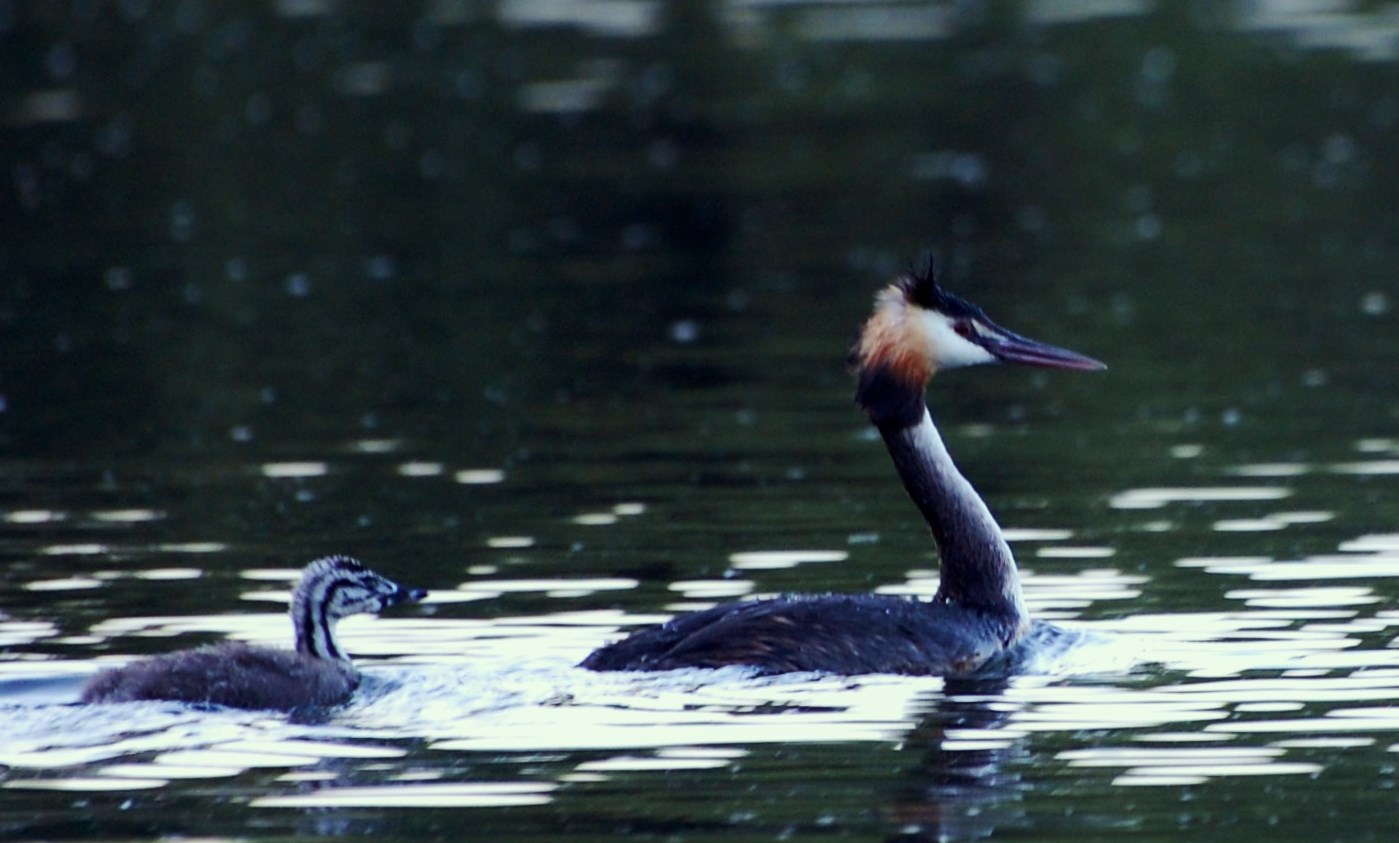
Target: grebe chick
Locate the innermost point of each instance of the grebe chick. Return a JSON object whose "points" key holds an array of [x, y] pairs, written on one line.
{"points": [[316, 673], [977, 617]]}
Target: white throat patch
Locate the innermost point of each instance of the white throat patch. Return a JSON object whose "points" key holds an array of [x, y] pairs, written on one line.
{"points": [[947, 348]]}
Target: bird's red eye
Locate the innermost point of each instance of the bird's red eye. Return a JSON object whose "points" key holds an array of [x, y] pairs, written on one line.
{"points": [[964, 328]]}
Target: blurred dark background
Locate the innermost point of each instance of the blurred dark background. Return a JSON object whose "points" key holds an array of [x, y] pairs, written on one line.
{"points": [[310, 215]]}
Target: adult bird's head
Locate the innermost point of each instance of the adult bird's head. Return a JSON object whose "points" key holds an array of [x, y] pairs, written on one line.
{"points": [[917, 329]]}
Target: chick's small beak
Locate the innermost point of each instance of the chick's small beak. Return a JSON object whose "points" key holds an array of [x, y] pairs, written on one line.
{"points": [[405, 595], [1009, 347]]}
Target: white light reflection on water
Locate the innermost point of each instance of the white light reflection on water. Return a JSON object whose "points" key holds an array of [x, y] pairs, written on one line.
{"points": [[420, 469], [1320, 567], [1276, 521], [192, 547], [552, 587], [284, 470], [687, 708], [1292, 664], [16, 632], [64, 584], [1367, 467], [771, 560], [82, 748], [595, 519], [1271, 469], [1305, 598], [34, 516], [1049, 596], [376, 446], [127, 516], [509, 542], [479, 476], [361, 634], [1377, 543], [612, 18], [83, 549], [85, 784], [1027, 534], [1156, 497], [162, 574], [508, 687], [1079, 552], [1371, 35], [713, 589], [457, 795]]}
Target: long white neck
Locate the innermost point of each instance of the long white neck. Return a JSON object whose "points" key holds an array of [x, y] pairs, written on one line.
{"points": [[978, 569]]}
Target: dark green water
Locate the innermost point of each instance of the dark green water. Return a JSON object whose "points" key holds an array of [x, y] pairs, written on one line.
{"points": [[544, 306]]}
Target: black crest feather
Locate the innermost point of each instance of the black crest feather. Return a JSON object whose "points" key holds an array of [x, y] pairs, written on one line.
{"points": [[922, 288]]}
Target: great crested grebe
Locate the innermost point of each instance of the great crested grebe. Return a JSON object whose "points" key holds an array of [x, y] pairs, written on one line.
{"points": [[977, 614], [316, 673]]}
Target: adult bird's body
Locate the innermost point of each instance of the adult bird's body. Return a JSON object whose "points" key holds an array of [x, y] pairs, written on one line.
{"points": [[317, 673], [977, 618]]}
